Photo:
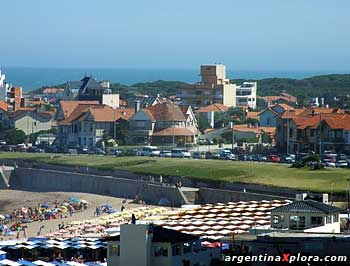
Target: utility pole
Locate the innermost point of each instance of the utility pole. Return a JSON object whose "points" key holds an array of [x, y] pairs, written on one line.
{"points": [[320, 135], [233, 135], [287, 136]]}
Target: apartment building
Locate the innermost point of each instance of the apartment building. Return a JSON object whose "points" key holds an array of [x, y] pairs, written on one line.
{"points": [[213, 88], [246, 94]]}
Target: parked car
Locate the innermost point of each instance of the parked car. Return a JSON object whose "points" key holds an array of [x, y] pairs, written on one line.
{"points": [[227, 155], [274, 159], [7, 148], [83, 150], [21, 147], [198, 155], [165, 154], [341, 164], [211, 155], [35, 149], [149, 151], [180, 153], [328, 163], [287, 159]]}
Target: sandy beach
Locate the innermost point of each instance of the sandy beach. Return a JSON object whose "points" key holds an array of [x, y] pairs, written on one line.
{"points": [[11, 199]]}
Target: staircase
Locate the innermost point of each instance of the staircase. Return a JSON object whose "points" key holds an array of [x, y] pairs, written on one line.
{"points": [[189, 194]]}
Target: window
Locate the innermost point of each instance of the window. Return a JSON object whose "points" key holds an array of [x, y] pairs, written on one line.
{"points": [[335, 218], [328, 219], [297, 222], [176, 250], [159, 251], [316, 221], [187, 248], [114, 250], [275, 219]]}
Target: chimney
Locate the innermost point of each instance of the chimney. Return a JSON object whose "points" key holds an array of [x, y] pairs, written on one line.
{"points": [[137, 106]]}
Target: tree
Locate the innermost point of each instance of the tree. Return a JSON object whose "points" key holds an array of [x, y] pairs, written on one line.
{"points": [[15, 136], [203, 123]]}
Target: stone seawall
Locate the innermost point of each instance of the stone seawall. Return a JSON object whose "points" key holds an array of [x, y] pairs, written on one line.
{"points": [[208, 195], [53, 180]]}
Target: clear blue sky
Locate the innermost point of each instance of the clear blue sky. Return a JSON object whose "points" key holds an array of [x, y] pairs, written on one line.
{"points": [[245, 34]]}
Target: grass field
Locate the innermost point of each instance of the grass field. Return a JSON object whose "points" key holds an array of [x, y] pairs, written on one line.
{"points": [[248, 172]]}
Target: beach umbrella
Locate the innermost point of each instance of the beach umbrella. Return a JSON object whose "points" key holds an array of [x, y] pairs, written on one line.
{"points": [[2, 217], [9, 262], [73, 199], [26, 263], [107, 206], [164, 202], [43, 263], [45, 205]]}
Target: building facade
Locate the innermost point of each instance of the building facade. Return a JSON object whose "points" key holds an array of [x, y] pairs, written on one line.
{"points": [[28, 121], [246, 94], [149, 245], [165, 123], [214, 88]]}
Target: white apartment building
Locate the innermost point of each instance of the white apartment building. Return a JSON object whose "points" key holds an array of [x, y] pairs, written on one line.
{"points": [[246, 94], [4, 87]]}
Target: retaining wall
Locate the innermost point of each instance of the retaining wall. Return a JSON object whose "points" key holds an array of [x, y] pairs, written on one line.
{"points": [[50, 180], [208, 195]]}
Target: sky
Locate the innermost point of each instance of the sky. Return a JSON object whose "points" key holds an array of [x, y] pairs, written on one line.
{"points": [[181, 34]]}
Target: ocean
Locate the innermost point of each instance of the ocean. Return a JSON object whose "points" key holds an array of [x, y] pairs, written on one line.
{"points": [[33, 78]]}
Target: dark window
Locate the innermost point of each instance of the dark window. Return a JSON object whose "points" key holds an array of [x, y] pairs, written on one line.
{"points": [[317, 221], [160, 251], [176, 250]]}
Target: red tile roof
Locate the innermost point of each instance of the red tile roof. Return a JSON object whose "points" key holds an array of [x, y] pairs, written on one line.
{"points": [[253, 115], [165, 112], [99, 112], [69, 106], [216, 107]]}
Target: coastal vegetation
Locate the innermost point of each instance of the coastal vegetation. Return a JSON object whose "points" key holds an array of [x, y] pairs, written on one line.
{"points": [[279, 175], [327, 86]]}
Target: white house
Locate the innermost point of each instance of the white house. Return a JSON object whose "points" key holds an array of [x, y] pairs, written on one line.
{"points": [[149, 245]]}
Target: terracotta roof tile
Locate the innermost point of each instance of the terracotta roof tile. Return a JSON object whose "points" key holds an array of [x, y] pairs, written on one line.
{"points": [[216, 107], [69, 106], [166, 112]]}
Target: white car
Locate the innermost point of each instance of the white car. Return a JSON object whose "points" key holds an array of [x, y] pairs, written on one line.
{"points": [[328, 163], [165, 154], [341, 164], [180, 153], [149, 151]]}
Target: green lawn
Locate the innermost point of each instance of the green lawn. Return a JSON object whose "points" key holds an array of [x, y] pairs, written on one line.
{"points": [[248, 172]]}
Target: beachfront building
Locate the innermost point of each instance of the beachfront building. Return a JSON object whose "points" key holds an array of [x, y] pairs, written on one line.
{"points": [[214, 88], [165, 123], [150, 245], [88, 123], [307, 216], [88, 89], [246, 94]]}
